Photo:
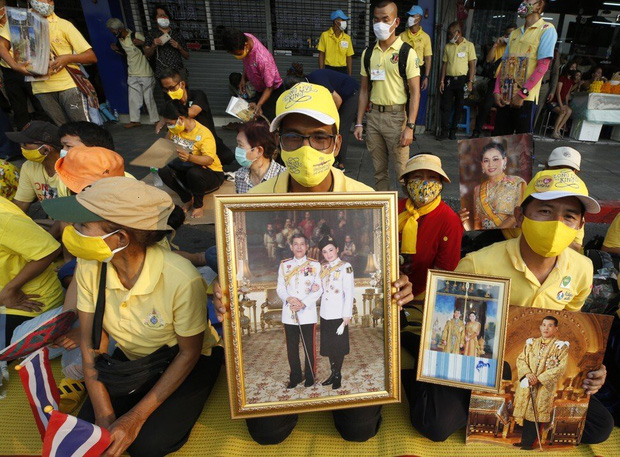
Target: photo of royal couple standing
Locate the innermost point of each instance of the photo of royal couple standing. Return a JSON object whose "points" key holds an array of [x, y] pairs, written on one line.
{"points": [[317, 329]]}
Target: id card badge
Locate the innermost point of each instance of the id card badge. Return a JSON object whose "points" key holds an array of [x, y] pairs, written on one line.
{"points": [[344, 44], [461, 55], [377, 75]]}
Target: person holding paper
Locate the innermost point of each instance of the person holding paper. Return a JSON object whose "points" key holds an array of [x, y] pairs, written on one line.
{"points": [[336, 309], [198, 169]]}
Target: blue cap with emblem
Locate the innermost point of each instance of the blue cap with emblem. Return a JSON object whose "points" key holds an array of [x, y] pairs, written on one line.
{"points": [[415, 9]]}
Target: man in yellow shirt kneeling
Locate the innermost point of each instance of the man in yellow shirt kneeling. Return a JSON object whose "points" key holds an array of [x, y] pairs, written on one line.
{"points": [[544, 273]]}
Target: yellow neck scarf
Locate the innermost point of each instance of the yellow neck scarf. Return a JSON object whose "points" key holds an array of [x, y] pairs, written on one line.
{"points": [[408, 224]]}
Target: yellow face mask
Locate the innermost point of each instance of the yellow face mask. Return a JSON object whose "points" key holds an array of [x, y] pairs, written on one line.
{"points": [[422, 192], [547, 238], [176, 128], [88, 247], [242, 56], [308, 166], [176, 94], [33, 154]]}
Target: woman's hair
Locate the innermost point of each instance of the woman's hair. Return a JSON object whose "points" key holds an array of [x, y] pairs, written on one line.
{"points": [[174, 109], [326, 241], [296, 69], [291, 80], [493, 146], [233, 40], [472, 312], [258, 134], [176, 218], [142, 238], [160, 7]]}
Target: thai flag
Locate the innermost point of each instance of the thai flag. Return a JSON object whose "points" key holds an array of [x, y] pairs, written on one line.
{"points": [[40, 386], [68, 436]]}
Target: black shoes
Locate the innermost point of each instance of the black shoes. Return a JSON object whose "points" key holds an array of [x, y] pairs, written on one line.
{"points": [[524, 447], [441, 137], [293, 383], [337, 382], [309, 382], [329, 380], [452, 135]]}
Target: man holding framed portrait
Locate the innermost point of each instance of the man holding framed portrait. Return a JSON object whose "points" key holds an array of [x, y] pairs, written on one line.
{"points": [[307, 123], [544, 273]]}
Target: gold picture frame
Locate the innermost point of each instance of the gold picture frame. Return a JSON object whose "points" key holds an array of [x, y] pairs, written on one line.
{"points": [[464, 330], [258, 363]]}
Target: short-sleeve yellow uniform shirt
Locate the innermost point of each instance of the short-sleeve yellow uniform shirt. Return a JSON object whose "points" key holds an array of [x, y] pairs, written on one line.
{"points": [[391, 89], [457, 57], [420, 41], [567, 286], [336, 48], [612, 239], [23, 241], [169, 299], [201, 142]]}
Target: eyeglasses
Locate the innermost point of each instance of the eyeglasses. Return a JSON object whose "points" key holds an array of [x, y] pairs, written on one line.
{"points": [[173, 88], [318, 141]]}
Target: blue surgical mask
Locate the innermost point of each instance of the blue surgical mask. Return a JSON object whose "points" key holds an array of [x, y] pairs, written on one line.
{"points": [[242, 157]]}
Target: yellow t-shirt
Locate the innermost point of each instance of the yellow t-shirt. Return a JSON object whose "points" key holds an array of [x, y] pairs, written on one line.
{"points": [[23, 241], [612, 239], [280, 184], [458, 56], [3, 34], [137, 63], [64, 39], [201, 142], [336, 49], [419, 41], [391, 90], [36, 184], [567, 286], [168, 299]]}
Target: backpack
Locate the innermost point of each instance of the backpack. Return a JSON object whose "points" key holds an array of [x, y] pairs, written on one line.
{"points": [[403, 55]]}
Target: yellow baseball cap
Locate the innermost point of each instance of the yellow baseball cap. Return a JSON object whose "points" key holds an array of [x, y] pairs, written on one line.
{"points": [[310, 99], [554, 184]]}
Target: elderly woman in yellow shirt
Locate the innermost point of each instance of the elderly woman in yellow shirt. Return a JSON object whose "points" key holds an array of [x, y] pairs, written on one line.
{"points": [[152, 302]]}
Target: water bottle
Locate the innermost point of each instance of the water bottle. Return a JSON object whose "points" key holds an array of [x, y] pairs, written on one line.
{"points": [[465, 91], [157, 182], [116, 114]]}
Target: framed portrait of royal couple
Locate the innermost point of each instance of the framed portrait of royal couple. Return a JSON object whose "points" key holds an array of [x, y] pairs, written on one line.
{"points": [[463, 330], [308, 279], [494, 172]]}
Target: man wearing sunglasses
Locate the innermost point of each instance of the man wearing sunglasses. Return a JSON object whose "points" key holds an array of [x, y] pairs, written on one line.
{"points": [[307, 123], [525, 62]]}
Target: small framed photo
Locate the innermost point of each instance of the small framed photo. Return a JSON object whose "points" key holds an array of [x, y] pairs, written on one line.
{"points": [[463, 330], [308, 278]]}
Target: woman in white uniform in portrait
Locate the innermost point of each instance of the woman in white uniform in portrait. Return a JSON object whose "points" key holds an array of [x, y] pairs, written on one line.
{"points": [[336, 308]]}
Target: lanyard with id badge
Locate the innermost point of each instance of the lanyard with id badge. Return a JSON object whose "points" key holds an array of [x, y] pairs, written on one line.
{"points": [[377, 74]]}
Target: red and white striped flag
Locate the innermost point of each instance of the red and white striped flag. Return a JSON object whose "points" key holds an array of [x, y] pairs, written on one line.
{"points": [[40, 386], [68, 436]]}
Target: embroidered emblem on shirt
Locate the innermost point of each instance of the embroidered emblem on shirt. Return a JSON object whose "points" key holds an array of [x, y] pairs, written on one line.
{"points": [[560, 295], [394, 58], [566, 280], [154, 320]]}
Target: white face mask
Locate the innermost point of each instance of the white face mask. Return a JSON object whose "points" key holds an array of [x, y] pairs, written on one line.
{"points": [[382, 30], [63, 152], [413, 20], [505, 39], [343, 25], [454, 39], [44, 9], [163, 22]]}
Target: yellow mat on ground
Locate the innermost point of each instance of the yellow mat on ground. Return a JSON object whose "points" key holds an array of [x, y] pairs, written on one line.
{"points": [[217, 435]]}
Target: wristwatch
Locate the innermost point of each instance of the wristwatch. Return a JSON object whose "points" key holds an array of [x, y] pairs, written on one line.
{"points": [[525, 92], [411, 126]]}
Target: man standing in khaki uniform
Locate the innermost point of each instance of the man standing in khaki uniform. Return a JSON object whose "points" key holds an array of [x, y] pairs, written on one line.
{"points": [[390, 124], [457, 71]]}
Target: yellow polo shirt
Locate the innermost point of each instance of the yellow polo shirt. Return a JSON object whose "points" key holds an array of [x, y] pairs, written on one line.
{"points": [[336, 48], [458, 56], [567, 286], [391, 90], [64, 39], [612, 239], [201, 142], [23, 241], [280, 184], [168, 299], [36, 184], [420, 41]]}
